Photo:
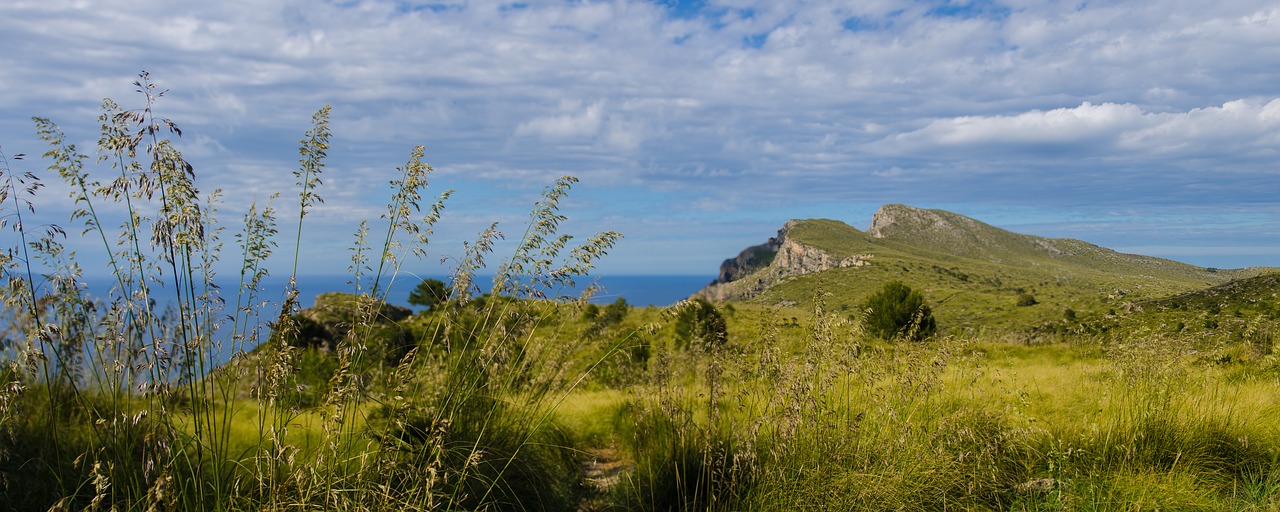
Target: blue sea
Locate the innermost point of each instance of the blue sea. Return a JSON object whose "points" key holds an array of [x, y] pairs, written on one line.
{"points": [[638, 290]]}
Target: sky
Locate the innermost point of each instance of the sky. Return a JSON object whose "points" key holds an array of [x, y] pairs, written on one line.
{"points": [[696, 128]]}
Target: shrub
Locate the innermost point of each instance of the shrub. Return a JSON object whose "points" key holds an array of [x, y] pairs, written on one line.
{"points": [[699, 322], [615, 312], [897, 311], [600, 320], [429, 293], [334, 315]]}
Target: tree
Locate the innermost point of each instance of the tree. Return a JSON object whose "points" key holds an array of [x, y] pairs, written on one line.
{"points": [[614, 312], [429, 293], [700, 322], [898, 312]]}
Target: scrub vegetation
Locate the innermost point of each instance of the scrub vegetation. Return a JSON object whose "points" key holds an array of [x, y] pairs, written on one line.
{"points": [[170, 393]]}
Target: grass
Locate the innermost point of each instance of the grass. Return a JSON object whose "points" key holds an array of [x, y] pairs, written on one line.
{"points": [[956, 423], [500, 399]]}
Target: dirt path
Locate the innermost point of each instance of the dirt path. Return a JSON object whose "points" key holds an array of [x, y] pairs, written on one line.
{"points": [[602, 469]]}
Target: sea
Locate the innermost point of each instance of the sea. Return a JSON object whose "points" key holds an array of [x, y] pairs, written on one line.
{"points": [[637, 290]]}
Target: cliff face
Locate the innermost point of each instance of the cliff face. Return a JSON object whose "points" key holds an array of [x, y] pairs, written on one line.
{"points": [[760, 267], [748, 261], [795, 258]]}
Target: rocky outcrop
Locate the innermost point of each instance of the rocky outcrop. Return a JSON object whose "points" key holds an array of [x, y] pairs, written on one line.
{"points": [[908, 223], [795, 258], [759, 267], [329, 321], [748, 261]]}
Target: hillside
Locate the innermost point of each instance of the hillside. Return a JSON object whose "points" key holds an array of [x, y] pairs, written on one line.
{"points": [[974, 271]]}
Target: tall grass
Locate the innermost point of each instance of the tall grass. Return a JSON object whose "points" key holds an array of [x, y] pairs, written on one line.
{"points": [[124, 402], [830, 419]]}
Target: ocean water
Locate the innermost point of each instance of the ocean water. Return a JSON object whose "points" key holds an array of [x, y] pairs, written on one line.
{"points": [[650, 290], [638, 290]]}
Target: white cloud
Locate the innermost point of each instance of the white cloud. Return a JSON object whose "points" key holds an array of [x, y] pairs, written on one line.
{"points": [[628, 96], [1247, 127], [578, 121], [1063, 125]]}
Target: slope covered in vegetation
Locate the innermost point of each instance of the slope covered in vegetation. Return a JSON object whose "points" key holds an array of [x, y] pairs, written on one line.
{"points": [[981, 273]]}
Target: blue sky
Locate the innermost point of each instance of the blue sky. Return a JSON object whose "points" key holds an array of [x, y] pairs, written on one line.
{"points": [[697, 127]]}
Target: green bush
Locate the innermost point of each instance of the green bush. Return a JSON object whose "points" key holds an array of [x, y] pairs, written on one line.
{"points": [[700, 323], [897, 311], [429, 293], [615, 312]]}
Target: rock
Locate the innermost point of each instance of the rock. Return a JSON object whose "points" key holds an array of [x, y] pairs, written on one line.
{"points": [[759, 267], [326, 323], [341, 307], [1036, 486], [748, 261], [794, 258]]}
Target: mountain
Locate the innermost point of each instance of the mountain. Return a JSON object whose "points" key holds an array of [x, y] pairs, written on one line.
{"points": [[973, 271]]}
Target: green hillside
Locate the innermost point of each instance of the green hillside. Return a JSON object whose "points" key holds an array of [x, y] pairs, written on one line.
{"points": [[975, 274], [1242, 311]]}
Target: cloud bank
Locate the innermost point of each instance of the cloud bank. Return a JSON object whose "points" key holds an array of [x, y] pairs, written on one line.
{"points": [[699, 125]]}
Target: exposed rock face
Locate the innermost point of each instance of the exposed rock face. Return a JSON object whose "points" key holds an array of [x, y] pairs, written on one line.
{"points": [[945, 228], [761, 266], [748, 261], [795, 258], [957, 235], [883, 221]]}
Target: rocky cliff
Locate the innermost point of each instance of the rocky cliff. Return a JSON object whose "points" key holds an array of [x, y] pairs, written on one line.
{"points": [[748, 261], [759, 267]]}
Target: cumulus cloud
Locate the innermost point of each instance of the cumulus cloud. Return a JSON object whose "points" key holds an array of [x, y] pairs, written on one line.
{"points": [[1065, 126], [578, 122], [1239, 128], [1246, 127], [765, 102]]}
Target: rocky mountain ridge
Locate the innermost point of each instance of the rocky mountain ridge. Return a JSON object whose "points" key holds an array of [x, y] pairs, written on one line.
{"points": [[937, 239]]}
